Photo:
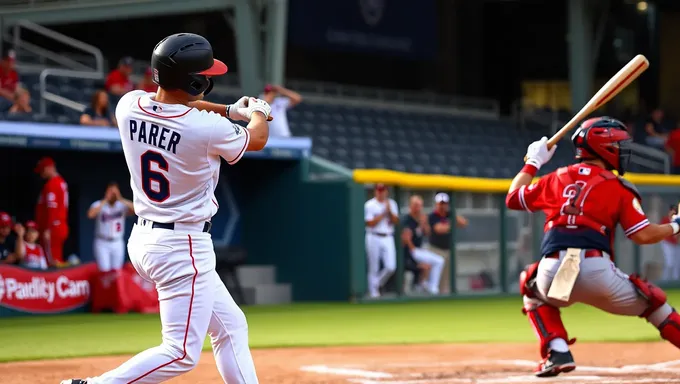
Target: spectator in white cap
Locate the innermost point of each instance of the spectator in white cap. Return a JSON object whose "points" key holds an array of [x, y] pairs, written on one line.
{"points": [[440, 236]]}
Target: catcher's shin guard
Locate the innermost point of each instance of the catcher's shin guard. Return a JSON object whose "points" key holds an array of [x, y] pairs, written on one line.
{"points": [[670, 329], [547, 324]]}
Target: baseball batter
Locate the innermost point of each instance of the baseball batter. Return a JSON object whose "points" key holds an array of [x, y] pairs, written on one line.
{"points": [[583, 204], [173, 144], [109, 214], [380, 215]]}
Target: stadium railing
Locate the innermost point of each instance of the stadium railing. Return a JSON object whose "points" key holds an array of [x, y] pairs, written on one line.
{"points": [[498, 243]]}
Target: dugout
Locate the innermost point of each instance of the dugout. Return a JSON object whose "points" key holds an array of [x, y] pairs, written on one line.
{"points": [[269, 205]]}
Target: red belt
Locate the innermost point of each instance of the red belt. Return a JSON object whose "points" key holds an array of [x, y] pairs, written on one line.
{"points": [[588, 253]]}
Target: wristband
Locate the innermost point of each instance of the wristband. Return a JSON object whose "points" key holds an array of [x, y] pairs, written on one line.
{"points": [[676, 227], [228, 108], [530, 169]]}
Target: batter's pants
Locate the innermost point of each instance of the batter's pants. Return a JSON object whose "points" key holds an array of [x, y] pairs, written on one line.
{"points": [[599, 284]]}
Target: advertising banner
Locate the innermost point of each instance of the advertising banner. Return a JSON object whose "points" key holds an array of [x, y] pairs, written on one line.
{"points": [[31, 291], [388, 27]]}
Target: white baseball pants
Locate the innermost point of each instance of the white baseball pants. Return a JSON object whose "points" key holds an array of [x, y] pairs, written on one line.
{"points": [[109, 254], [379, 248], [193, 302], [436, 263]]}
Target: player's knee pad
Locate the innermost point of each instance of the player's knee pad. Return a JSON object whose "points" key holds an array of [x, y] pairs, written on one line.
{"points": [[547, 322], [670, 329], [527, 280], [654, 295]]}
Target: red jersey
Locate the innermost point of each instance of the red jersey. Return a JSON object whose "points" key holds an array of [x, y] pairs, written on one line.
{"points": [[52, 208], [673, 238], [117, 77], [583, 205], [9, 80], [35, 256]]}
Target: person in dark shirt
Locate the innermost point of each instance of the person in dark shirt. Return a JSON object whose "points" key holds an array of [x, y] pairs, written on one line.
{"points": [[415, 229], [656, 129], [11, 247], [440, 237], [98, 113]]}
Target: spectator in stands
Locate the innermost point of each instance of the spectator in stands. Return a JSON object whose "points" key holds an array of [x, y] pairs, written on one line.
{"points": [[34, 254], [98, 113], [280, 99], [673, 148], [656, 129], [416, 227], [9, 78], [11, 246], [671, 249], [147, 84], [118, 81], [440, 237], [22, 102]]}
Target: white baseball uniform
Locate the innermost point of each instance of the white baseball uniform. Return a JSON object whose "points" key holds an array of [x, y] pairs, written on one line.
{"points": [[379, 245], [109, 248], [173, 155], [279, 126]]}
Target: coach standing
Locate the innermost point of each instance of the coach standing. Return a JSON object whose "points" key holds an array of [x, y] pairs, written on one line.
{"points": [[440, 237], [380, 215], [51, 213]]}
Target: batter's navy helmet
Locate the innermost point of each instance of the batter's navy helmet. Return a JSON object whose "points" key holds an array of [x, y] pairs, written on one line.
{"points": [[185, 61], [606, 139]]}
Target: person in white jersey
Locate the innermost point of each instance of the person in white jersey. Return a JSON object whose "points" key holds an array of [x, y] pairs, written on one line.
{"points": [[109, 214], [380, 215], [173, 143], [281, 100]]}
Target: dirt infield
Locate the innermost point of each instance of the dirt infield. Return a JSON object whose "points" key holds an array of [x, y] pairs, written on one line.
{"points": [[412, 364]]}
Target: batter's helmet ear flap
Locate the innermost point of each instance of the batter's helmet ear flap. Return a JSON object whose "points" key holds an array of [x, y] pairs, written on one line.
{"points": [[210, 87]]}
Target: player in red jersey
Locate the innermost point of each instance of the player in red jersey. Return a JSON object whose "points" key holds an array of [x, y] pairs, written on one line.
{"points": [[51, 213], [583, 204]]}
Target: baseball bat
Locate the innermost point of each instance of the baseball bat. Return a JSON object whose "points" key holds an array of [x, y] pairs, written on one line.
{"points": [[613, 87]]}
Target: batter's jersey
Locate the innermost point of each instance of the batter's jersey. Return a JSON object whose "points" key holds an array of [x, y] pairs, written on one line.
{"points": [[35, 256], [374, 208], [110, 223], [583, 205], [173, 154]]}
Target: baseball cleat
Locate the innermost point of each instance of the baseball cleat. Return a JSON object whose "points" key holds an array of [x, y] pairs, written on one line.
{"points": [[556, 363], [74, 381]]}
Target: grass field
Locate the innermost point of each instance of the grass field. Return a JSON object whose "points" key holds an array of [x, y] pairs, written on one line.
{"points": [[445, 321]]}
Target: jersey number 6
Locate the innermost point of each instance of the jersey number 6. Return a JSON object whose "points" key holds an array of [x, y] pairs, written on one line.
{"points": [[154, 183]]}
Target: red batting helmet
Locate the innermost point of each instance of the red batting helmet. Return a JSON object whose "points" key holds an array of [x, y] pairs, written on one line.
{"points": [[605, 139]]}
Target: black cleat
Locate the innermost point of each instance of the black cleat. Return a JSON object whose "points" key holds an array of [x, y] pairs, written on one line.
{"points": [[74, 381], [556, 363]]}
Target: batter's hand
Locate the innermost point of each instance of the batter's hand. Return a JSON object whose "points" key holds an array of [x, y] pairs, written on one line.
{"points": [[538, 153], [255, 105], [233, 109]]}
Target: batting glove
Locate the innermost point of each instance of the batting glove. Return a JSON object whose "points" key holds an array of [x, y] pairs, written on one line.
{"points": [[255, 105], [538, 153], [675, 223], [233, 109]]}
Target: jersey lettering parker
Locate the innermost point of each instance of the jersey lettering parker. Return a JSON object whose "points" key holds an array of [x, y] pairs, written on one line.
{"points": [[172, 175], [583, 205]]}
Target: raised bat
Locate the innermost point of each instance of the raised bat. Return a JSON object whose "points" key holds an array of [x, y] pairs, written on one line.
{"points": [[613, 87]]}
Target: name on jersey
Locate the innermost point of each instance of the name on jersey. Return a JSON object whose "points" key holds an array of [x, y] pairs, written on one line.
{"points": [[152, 134], [111, 216]]}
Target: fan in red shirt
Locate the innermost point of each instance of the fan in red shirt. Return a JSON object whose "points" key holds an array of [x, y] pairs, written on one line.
{"points": [[673, 149], [8, 76], [583, 204], [147, 84], [51, 213], [118, 81], [34, 256]]}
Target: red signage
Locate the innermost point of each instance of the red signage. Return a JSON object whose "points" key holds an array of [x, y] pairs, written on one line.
{"points": [[53, 291]]}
